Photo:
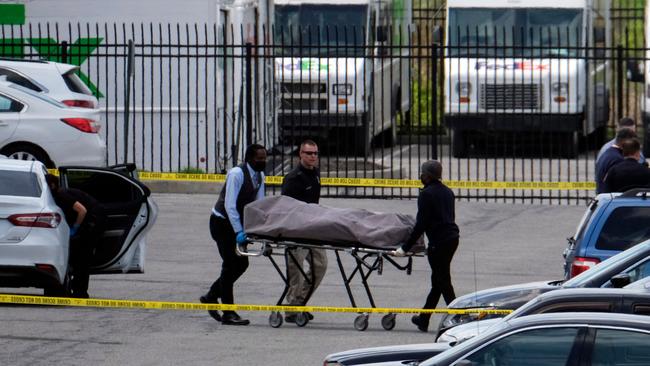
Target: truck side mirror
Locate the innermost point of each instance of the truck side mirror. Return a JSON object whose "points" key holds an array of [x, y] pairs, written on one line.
{"points": [[599, 35], [437, 34], [635, 71], [621, 280], [382, 34]]}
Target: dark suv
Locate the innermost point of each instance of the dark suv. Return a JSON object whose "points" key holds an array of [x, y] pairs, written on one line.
{"points": [[612, 223]]}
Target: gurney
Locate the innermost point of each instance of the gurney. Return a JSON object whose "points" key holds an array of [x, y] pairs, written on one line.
{"points": [[276, 225]]}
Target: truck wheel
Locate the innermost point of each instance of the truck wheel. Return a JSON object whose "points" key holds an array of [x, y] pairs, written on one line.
{"points": [[572, 144], [458, 143], [361, 139], [388, 138]]}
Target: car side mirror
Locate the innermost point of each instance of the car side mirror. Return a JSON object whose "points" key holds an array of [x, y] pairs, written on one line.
{"points": [[621, 280], [436, 35], [382, 34], [635, 71]]}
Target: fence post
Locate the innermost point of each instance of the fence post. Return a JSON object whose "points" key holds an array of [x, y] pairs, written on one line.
{"points": [[249, 94], [434, 101], [619, 82], [64, 52], [127, 97]]}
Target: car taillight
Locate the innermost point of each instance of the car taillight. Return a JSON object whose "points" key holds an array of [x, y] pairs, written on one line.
{"points": [[45, 219], [82, 124], [581, 264], [79, 103]]}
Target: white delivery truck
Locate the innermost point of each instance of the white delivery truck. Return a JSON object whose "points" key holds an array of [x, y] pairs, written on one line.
{"points": [[188, 104], [526, 68], [341, 69]]}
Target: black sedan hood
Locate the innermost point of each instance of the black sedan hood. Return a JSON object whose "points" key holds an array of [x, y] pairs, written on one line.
{"points": [[506, 297]]}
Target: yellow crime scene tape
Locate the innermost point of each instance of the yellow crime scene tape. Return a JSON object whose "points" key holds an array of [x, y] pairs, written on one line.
{"points": [[168, 305], [381, 182]]}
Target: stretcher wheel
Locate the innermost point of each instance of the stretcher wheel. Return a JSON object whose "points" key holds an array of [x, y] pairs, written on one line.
{"points": [[275, 319], [388, 321], [302, 319], [361, 322]]}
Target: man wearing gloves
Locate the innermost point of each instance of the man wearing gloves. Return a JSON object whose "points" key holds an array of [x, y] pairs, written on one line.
{"points": [[244, 184], [436, 218], [86, 219]]}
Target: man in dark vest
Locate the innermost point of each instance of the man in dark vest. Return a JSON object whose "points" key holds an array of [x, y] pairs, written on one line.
{"points": [[628, 173], [244, 184]]}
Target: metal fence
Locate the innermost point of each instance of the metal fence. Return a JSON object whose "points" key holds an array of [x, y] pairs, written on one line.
{"points": [[378, 102]]}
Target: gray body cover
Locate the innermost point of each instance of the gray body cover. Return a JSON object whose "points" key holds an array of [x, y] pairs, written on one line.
{"points": [[282, 217]]}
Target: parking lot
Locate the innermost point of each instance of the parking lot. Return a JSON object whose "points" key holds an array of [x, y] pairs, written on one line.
{"points": [[500, 244]]}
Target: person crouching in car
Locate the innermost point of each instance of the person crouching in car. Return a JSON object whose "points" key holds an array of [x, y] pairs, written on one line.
{"points": [[86, 219]]}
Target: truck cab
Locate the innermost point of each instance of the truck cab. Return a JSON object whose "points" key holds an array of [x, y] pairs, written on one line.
{"points": [[514, 67], [340, 69]]}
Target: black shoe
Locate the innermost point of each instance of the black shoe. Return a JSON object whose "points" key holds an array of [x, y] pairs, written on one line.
{"points": [[204, 299], [421, 323], [233, 319], [290, 318], [309, 315]]}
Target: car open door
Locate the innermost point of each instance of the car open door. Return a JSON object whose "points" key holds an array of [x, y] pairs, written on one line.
{"points": [[130, 213]]}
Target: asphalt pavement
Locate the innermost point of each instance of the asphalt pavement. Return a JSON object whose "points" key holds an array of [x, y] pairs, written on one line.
{"points": [[500, 244]]}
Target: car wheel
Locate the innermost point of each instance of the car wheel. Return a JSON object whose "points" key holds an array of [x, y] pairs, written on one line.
{"points": [[27, 152]]}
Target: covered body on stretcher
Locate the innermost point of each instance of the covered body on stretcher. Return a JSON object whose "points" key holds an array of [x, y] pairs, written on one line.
{"points": [[282, 218]]}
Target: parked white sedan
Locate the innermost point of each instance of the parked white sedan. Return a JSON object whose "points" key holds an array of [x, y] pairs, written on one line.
{"points": [[34, 126], [34, 238]]}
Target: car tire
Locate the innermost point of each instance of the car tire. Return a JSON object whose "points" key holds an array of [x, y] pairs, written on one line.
{"points": [[27, 152]]}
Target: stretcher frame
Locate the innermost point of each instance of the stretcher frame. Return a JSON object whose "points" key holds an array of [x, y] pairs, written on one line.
{"points": [[367, 261]]}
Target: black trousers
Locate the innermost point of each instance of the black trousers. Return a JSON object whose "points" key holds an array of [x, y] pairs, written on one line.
{"points": [[82, 249], [440, 256], [233, 265]]}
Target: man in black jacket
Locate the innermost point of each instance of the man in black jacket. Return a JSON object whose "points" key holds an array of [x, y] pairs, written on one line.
{"points": [[436, 218], [86, 219], [628, 173], [303, 183]]}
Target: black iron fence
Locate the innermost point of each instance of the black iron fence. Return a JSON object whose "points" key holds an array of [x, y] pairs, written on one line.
{"points": [[505, 110]]}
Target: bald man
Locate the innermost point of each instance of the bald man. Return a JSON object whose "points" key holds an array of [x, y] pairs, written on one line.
{"points": [[436, 217]]}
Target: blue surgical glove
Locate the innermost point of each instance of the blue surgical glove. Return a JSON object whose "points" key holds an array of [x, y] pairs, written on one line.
{"points": [[73, 230], [241, 238]]}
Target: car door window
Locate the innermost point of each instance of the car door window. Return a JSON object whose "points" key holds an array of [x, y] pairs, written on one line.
{"points": [[639, 271], [537, 347], [621, 348], [625, 227], [16, 78], [8, 105]]}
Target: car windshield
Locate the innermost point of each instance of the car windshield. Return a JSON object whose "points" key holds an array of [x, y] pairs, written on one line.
{"points": [[585, 277], [19, 183], [320, 30], [464, 346], [514, 32]]}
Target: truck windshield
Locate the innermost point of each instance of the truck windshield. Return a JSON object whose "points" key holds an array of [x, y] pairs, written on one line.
{"points": [[501, 32], [320, 30]]}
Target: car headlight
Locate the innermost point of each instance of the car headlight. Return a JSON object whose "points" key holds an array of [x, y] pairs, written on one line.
{"points": [[342, 89], [464, 88], [560, 88], [452, 320]]}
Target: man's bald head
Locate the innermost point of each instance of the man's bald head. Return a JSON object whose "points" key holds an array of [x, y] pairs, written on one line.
{"points": [[432, 168]]}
